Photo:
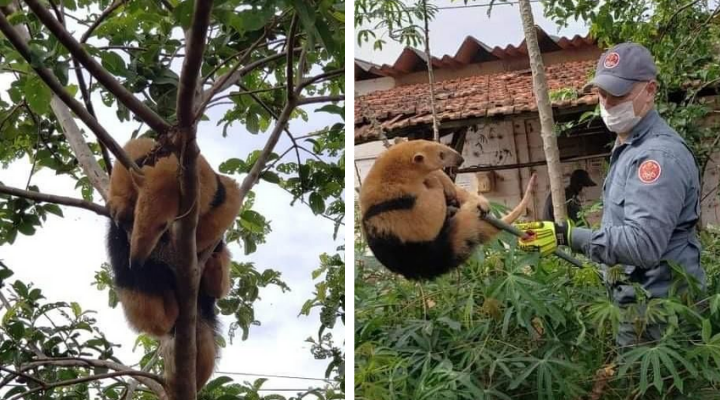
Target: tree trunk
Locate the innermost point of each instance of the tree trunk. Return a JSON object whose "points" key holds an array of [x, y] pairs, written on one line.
{"points": [[431, 77], [547, 123]]}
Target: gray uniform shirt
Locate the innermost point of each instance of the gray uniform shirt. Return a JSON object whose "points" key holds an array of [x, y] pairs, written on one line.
{"points": [[651, 203]]}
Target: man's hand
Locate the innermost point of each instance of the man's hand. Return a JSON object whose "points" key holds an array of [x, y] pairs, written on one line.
{"points": [[544, 236]]}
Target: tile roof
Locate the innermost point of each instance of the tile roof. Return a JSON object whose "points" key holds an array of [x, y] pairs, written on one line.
{"points": [[470, 51], [502, 93]]}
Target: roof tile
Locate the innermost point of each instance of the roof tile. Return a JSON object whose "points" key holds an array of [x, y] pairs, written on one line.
{"points": [[503, 93]]}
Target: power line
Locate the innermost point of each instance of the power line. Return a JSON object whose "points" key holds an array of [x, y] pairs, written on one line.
{"points": [[499, 3], [272, 376], [441, 8]]}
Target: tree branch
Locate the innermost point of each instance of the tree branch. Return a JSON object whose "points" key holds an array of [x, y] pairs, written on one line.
{"points": [[207, 96], [321, 77], [133, 385], [85, 93], [292, 138], [152, 381], [105, 78], [231, 77], [47, 76], [22, 375], [98, 178], [289, 67], [321, 99], [254, 175], [239, 53], [187, 272], [106, 13], [50, 198], [191, 65], [83, 379]]}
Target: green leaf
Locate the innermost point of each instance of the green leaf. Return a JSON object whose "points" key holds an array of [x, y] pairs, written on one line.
{"points": [[252, 123], [706, 330], [38, 95], [317, 204], [112, 62], [77, 310], [271, 177], [183, 13], [53, 209]]}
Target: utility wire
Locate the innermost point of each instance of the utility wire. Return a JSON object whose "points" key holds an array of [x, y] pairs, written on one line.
{"points": [[272, 376], [441, 8]]}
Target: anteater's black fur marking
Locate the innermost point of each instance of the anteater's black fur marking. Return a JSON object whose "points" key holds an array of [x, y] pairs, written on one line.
{"points": [[220, 193], [155, 276], [413, 260]]}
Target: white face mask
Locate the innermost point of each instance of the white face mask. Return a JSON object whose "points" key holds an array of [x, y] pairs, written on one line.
{"points": [[621, 118]]}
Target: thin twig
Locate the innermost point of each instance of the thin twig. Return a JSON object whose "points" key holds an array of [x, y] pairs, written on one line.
{"points": [[51, 198], [321, 77], [47, 76], [289, 59], [104, 77], [321, 99], [229, 78], [239, 53], [106, 13], [292, 139], [220, 84], [248, 92], [7, 117]]}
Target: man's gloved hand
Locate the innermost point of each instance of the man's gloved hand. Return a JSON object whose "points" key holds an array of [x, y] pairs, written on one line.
{"points": [[544, 236]]}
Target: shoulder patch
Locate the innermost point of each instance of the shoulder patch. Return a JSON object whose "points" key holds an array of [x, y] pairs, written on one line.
{"points": [[649, 171], [612, 60]]}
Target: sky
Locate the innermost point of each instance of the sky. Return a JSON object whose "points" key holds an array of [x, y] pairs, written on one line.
{"points": [[62, 256], [451, 26]]}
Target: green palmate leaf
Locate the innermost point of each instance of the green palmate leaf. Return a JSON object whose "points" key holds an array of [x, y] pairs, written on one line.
{"points": [[113, 63]]}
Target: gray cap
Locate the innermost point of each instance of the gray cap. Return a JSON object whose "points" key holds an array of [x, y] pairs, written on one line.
{"points": [[623, 66]]}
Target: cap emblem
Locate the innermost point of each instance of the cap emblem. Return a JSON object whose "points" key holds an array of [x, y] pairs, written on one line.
{"points": [[612, 60]]}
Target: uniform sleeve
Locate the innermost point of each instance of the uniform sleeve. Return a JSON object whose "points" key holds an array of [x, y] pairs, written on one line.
{"points": [[654, 195]]}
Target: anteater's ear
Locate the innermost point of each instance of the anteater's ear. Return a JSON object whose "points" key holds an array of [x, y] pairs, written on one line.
{"points": [[137, 179], [419, 158]]}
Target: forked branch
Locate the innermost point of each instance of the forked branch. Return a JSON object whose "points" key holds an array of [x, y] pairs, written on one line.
{"points": [[49, 78], [123, 95]]}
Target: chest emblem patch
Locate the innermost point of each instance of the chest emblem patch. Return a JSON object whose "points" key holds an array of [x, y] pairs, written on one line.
{"points": [[649, 171]]}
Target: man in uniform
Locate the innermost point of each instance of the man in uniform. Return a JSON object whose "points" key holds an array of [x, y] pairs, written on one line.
{"points": [[650, 195]]}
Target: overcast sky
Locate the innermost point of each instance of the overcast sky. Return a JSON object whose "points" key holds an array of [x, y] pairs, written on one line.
{"points": [[451, 26], [62, 257]]}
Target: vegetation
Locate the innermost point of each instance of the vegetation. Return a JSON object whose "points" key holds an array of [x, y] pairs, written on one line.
{"points": [[167, 67], [508, 325]]}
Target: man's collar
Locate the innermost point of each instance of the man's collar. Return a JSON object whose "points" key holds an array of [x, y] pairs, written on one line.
{"points": [[639, 131]]}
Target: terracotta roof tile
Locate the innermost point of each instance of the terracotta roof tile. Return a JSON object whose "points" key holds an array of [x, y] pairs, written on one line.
{"points": [[471, 97]]}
